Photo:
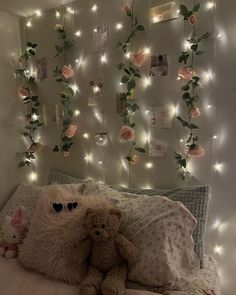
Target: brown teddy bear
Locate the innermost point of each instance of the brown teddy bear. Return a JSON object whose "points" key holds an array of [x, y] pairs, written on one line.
{"points": [[111, 253]]}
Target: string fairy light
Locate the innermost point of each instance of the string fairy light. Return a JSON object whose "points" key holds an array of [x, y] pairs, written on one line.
{"points": [[86, 135], [57, 14], [33, 176], [29, 24], [149, 165], [103, 59], [70, 10], [119, 26], [77, 113], [38, 12], [78, 33], [94, 8]]}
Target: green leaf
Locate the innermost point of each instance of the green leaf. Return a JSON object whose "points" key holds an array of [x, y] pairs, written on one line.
{"points": [[31, 52], [140, 28], [120, 66], [200, 52], [196, 7], [184, 10], [131, 84], [140, 150], [21, 164], [193, 126], [194, 47], [124, 79], [59, 48], [56, 149]]}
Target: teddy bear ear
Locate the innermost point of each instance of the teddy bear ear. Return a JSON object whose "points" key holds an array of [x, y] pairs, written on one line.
{"points": [[116, 212]]}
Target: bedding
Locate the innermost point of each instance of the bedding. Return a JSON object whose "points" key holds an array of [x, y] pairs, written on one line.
{"points": [[56, 235], [195, 198], [14, 280]]}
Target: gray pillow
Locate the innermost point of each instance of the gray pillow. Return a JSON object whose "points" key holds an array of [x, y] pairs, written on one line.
{"points": [[195, 198]]}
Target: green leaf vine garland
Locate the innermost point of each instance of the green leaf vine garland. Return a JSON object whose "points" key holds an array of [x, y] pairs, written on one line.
{"points": [[131, 74], [190, 87], [64, 77], [33, 102]]}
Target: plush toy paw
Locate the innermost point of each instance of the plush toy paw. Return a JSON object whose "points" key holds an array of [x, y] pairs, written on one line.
{"points": [[88, 290], [2, 251], [10, 254], [111, 289]]}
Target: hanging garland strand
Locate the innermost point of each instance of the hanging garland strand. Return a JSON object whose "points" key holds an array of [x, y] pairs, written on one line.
{"points": [[33, 103], [130, 75], [64, 77], [190, 87]]}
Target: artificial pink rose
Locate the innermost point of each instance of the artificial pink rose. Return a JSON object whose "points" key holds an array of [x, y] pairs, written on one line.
{"points": [[68, 71], [127, 133], [185, 73], [24, 91], [66, 154], [127, 9], [35, 147], [195, 112], [138, 58], [192, 20], [196, 152], [70, 131]]}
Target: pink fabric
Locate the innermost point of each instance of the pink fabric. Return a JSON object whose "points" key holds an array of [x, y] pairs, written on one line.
{"points": [[18, 222]]}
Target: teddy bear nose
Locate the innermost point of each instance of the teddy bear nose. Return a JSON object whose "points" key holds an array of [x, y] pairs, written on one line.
{"points": [[97, 233]]}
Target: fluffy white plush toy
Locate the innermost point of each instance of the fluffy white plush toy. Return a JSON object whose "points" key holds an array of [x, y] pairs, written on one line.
{"points": [[14, 229]]}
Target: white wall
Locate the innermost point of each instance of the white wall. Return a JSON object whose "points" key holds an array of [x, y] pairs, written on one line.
{"points": [[163, 38], [10, 109]]}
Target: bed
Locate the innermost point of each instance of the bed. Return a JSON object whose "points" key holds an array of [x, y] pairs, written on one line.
{"points": [[15, 280]]}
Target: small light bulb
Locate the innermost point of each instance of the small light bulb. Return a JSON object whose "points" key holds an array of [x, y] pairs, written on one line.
{"points": [[95, 30], [70, 10], [147, 112], [100, 162], [128, 55], [215, 137], [103, 59], [94, 8], [119, 26], [219, 36], [178, 11], [77, 113], [75, 88], [147, 82], [35, 117], [38, 12], [219, 250], [58, 14], [147, 50], [149, 165], [218, 167], [216, 224], [29, 24], [78, 33], [209, 106], [181, 140], [33, 176], [210, 5], [86, 135]]}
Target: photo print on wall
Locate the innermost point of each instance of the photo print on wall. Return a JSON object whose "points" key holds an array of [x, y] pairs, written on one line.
{"points": [[156, 147], [158, 65], [96, 90], [164, 12], [100, 38], [50, 114], [41, 66], [160, 117]]}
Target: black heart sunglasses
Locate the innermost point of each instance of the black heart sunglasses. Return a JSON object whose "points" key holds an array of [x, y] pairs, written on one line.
{"points": [[58, 207]]}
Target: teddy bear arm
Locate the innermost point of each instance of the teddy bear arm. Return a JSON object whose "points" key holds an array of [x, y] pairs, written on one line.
{"points": [[127, 249], [83, 249]]}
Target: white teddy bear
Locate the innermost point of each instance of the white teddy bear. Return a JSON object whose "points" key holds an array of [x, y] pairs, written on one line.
{"points": [[14, 229]]}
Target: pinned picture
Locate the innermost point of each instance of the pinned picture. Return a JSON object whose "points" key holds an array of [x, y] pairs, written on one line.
{"points": [[96, 90], [100, 38], [120, 102], [164, 12], [41, 66], [159, 65], [160, 117], [50, 114], [157, 148]]}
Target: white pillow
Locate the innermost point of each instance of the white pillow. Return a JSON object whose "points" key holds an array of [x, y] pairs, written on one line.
{"points": [[25, 195]]}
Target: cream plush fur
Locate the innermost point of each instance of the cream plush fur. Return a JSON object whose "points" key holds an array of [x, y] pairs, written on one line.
{"points": [[56, 244]]}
